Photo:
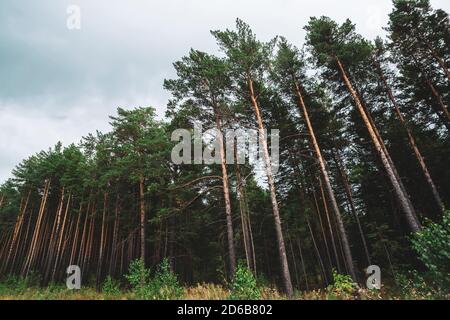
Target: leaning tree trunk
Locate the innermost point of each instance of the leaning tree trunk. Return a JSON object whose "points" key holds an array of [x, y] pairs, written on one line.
{"points": [[437, 95], [242, 209], [303, 264], [142, 216], [34, 241], [412, 221], [226, 195], [326, 179], [17, 229], [322, 228], [115, 236], [330, 227], [247, 232], [412, 142], [60, 240], [319, 257], [436, 56], [444, 115], [102, 240], [349, 194], [276, 213]]}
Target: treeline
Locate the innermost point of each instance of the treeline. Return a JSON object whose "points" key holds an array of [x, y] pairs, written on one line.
{"points": [[364, 152]]}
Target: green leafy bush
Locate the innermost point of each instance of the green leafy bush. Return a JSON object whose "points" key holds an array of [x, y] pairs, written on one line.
{"points": [[137, 275], [413, 285], [244, 285], [111, 287], [343, 286], [163, 286], [432, 244], [13, 284]]}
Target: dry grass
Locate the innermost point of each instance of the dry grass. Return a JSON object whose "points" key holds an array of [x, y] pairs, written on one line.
{"points": [[203, 291], [206, 291]]}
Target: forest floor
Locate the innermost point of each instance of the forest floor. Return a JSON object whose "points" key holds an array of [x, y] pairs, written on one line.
{"points": [[199, 292]]}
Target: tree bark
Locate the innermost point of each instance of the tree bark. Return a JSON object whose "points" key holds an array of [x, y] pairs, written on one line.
{"points": [[226, 195], [319, 258], [445, 115], [60, 240], [115, 248], [412, 221], [303, 264], [436, 56], [317, 209], [330, 227], [142, 216], [34, 241], [102, 240], [245, 218], [268, 165], [326, 179], [17, 229], [349, 194], [412, 142]]}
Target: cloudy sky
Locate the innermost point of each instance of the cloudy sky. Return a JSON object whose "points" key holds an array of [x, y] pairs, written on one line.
{"points": [[58, 84]]}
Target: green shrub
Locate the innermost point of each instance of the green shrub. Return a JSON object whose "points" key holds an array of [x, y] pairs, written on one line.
{"points": [[244, 285], [137, 273], [412, 285], [51, 292], [432, 244], [163, 286], [111, 287], [13, 284], [343, 287]]}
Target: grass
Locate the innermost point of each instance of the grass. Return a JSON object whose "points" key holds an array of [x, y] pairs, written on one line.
{"points": [[204, 291]]}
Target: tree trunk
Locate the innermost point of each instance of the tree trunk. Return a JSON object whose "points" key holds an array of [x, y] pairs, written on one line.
{"points": [[436, 56], [114, 254], [17, 229], [330, 227], [412, 142], [245, 218], [303, 264], [75, 237], [142, 216], [294, 261], [326, 179], [242, 212], [319, 258], [102, 240], [412, 221], [317, 209], [34, 241], [268, 165], [349, 194], [251, 242], [226, 195], [51, 247], [445, 115], [60, 240]]}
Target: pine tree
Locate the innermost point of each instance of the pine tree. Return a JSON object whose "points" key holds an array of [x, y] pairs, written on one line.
{"points": [[290, 72], [201, 91], [337, 48], [248, 59]]}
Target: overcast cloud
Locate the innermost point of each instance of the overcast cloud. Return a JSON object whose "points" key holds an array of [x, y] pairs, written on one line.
{"points": [[58, 84]]}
